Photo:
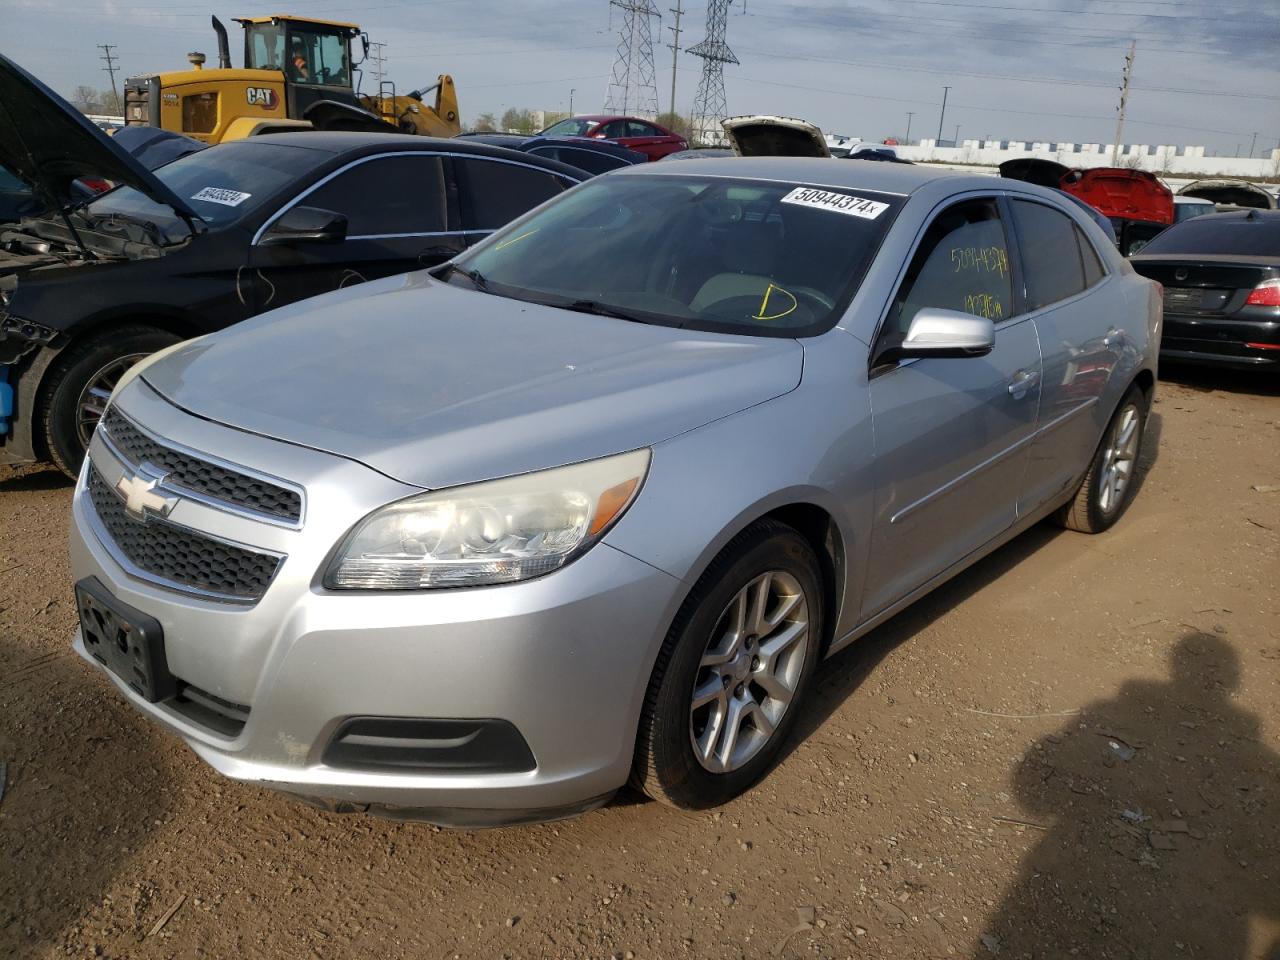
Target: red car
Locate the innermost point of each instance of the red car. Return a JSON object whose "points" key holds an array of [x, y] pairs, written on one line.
{"points": [[645, 136]]}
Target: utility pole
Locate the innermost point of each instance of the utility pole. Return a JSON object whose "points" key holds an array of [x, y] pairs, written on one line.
{"points": [[1124, 100], [942, 114], [571, 90], [910, 114], [678, 10], [956, 140], [110, 69], [1253, 144]]}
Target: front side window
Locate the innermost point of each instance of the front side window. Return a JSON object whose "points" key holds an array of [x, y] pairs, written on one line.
{"points": [[317, 57], [264, 46], [704, 252], [637, 129], [614, 130], [492, 194], [962, 264], [387, 196], [591, 161], [1051, 258]]}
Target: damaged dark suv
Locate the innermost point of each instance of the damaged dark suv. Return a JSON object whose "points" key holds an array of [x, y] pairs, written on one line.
{"points": [[89, 287]]}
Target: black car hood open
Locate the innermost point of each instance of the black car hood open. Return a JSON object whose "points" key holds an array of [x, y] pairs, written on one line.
{"points": [[49, 144], [1046, 173]]}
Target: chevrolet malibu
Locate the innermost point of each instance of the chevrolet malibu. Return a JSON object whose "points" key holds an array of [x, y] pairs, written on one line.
{"points": [[589, 504]]}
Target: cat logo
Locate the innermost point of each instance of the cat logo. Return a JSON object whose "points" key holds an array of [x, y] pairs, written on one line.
{"points": [[262, 97]]}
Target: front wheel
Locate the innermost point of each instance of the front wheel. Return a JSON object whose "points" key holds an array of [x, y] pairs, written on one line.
{"points": [[80, 382], [733, 672], [1110, 484]]}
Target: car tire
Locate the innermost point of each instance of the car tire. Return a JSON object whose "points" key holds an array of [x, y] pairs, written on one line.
{"points": [[1109, 486], [769, 658], [76, 387]]}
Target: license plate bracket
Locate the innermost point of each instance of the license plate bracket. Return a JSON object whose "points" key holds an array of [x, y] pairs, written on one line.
{"points": [[125, 640]]}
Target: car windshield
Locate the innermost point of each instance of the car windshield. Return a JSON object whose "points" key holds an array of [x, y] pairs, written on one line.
{"points": [[1229, 235], [222, 184], [573, 127], [704, 252]]}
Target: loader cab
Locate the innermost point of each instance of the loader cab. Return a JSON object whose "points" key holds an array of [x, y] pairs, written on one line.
{"points": [[314, 56]]}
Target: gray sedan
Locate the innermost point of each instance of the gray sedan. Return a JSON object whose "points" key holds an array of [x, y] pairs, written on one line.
{"points": [[589, 504]]}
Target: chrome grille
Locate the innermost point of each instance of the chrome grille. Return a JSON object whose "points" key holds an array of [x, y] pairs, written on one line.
{"points": [[199, 476], [180, 557]]}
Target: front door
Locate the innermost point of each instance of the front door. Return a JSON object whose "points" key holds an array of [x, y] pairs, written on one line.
{"points": [[397, 210], [951, 435]]}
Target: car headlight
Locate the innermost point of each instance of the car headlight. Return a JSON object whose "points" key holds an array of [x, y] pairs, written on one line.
{"points": [[497, 531]]}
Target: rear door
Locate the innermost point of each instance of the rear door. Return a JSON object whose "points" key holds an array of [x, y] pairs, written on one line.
{"points": [[492, 192], [398, 219], [1079, 318], [951, 435]]}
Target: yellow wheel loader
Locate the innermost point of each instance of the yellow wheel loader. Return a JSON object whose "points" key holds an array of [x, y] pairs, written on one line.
{"points": [[297, 75]]}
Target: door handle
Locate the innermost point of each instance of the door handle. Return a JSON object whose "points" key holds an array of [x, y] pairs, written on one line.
{"points": [[1022, 381], [1113, 338]]}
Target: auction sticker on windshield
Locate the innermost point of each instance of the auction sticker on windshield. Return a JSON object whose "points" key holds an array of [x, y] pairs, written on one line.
{"points": [[836, 202], [222, 195]]}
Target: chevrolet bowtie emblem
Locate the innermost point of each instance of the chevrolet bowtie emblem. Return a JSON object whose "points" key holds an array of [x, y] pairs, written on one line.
{"points": [[141, 498]]}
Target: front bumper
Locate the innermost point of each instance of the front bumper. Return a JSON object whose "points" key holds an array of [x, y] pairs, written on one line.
{"points": [[565, 658]]}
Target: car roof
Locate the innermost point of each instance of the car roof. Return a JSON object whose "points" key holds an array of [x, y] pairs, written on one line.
{"points": [[356, 144], [832, 172]]}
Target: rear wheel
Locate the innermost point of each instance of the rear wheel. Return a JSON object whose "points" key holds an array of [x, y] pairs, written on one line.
{"points": [[80, 382], [1109, 485], [737, 663]]}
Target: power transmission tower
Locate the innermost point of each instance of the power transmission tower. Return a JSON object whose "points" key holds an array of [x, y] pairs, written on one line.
{"points": [[678, 10], [1124, 100], [709, 106], [110, 69], [633, 89]]}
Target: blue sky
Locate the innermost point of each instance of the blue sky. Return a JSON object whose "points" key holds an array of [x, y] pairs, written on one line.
{"points": [[1206, 73]]}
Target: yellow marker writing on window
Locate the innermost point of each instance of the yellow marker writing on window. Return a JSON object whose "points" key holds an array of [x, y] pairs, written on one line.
{"points": [[507, 243], [763, 314]]}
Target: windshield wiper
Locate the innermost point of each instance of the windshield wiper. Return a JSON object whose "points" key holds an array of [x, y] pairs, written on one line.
{"points": [[475, 276], [600, 310]]}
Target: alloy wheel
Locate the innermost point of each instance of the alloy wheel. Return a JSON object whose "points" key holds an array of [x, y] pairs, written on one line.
{"points": [[1119, 460], [92, 402], [749, 671]]}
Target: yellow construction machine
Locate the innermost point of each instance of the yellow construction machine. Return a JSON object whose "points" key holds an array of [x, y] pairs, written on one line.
{"points": [[297, 75]]}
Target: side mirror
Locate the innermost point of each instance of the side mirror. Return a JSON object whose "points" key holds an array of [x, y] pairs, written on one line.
{"points": [[944, 333], [306, 225]]}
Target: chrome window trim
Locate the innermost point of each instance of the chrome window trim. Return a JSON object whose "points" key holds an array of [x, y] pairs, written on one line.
{"points": [[213, 502], [266, 224]]}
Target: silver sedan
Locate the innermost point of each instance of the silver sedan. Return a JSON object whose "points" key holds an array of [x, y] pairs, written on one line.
{"points": [[590, 504]]}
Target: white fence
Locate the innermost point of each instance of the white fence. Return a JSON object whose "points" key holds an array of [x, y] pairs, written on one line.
{"points": [[1164, 160]]}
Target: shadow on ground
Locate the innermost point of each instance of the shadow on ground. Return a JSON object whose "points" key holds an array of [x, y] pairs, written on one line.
{"points": [[1160, 836], [83, 791]]}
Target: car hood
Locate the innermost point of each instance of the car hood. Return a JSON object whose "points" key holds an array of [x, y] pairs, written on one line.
{"points": [[775, 137], [436, 385], [49, 144], [1045, 173], [1238, 193], [1128, 194]]}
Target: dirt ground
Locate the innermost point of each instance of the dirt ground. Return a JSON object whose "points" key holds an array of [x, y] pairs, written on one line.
{"points": [[1071, 750]]}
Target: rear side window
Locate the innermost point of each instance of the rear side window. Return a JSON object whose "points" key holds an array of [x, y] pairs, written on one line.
{"points": [[1093, 271], [493, 193], [387, 196], [1051, 254], [962, 264]]}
